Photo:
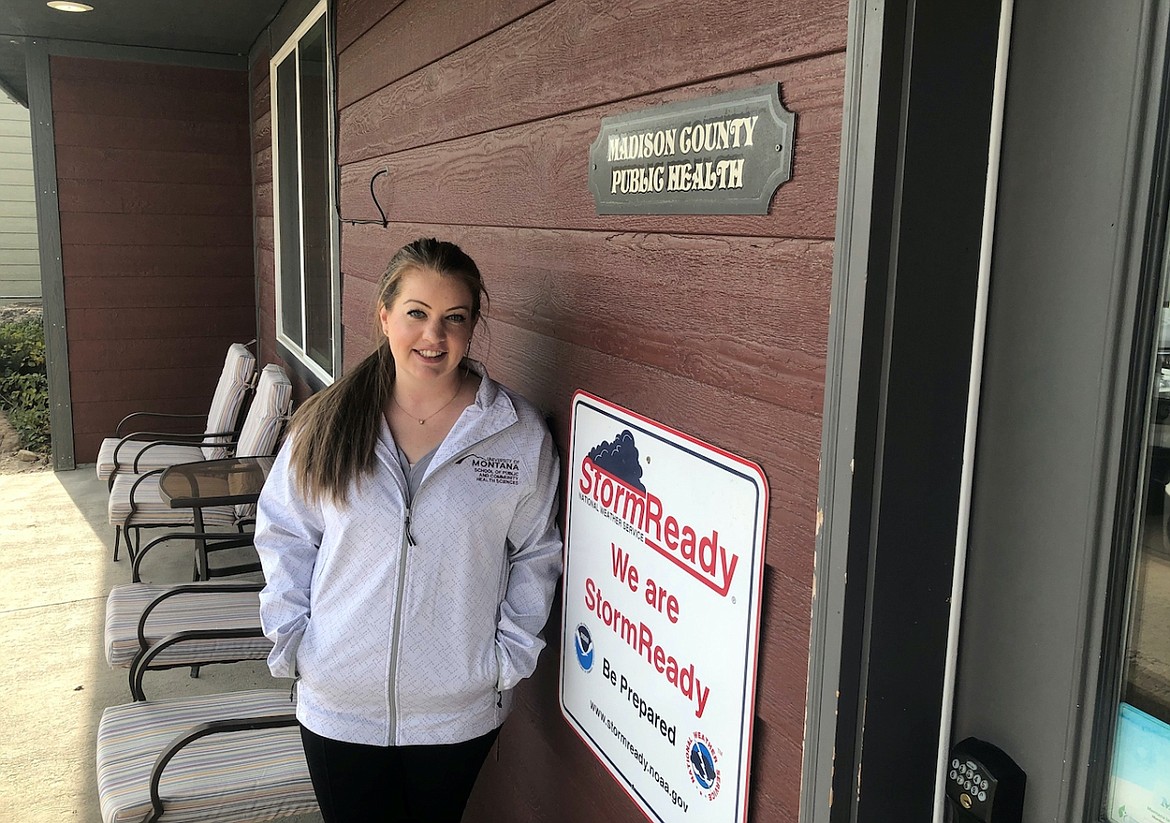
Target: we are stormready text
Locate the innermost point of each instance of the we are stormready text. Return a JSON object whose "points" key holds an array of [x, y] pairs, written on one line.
{"points": [[638, 635]]}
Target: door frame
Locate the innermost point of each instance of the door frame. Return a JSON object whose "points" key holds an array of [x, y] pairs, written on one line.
{"points": [[918, 103], [891, 514]]}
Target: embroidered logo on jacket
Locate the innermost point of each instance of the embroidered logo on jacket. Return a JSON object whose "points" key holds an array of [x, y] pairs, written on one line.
{"points": [[493, 469]]}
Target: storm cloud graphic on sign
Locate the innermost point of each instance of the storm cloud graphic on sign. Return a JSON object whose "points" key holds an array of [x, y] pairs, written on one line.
{"points": [[620, 458]]}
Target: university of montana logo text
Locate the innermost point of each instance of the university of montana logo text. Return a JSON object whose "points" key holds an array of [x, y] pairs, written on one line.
{"points": [[493, 469]]}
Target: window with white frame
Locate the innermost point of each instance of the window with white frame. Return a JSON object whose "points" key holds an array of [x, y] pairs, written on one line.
{"points": [[307, 282]]}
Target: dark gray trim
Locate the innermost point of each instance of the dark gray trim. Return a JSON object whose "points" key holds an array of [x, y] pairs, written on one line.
{"points": [[297, 366], [1049, 477], [299, 362], [49, 241], [291, 15], [262, 45], [839, 435], [1133, 472], [931, 280], [1143, 241], [140, 54], [911, 212], [335, 193]]}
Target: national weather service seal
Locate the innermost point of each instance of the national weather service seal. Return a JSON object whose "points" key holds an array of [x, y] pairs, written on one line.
{"points": [[703, 765]]}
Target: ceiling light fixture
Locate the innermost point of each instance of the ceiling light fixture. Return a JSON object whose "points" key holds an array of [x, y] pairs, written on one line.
{"points": [[62, 5]]}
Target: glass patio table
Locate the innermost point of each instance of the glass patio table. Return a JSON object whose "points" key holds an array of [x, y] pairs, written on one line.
{"points": [[232, 481]]}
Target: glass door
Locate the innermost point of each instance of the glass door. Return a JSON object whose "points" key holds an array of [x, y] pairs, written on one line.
{"points": [[1139, 781]]}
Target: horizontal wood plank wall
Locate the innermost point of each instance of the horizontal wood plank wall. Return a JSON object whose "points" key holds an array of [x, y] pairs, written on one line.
{"points": [[483, 113], [156, 235], [20, 267]]}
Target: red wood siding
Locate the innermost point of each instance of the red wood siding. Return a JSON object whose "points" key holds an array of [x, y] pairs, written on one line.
{"points": [[156, 235], [717, 325], [392, 49], [262, 208]]}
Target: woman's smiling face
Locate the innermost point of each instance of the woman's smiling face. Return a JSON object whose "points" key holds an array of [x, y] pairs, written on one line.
{"points": [[428, 325]]}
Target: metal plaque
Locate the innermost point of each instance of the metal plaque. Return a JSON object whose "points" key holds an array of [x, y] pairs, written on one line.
{"points": [[725, 154]]}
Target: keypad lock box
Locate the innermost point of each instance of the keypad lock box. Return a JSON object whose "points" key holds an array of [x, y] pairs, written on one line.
{"points": [[984, 785]]}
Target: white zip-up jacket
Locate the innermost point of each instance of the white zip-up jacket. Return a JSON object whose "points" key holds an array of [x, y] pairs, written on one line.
{"points": [[409, 626]]}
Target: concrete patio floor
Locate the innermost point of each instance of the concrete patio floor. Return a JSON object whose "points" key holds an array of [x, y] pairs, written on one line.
{"points": [[55, 570]]}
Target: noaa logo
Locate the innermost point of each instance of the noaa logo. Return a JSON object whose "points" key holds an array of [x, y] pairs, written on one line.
{"points": [[583, 645], [703, 765]]}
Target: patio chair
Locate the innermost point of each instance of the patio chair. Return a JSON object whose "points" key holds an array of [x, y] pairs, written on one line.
{"points": [[232, 758], [136, 502], [141, 451], [151, 627]]}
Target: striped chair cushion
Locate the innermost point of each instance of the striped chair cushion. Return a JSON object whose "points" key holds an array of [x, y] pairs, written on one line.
{"points": [[266, 417], [228, 778], [151, 509], [158, 457], [183, 612], [238, 368], [267, 414]]}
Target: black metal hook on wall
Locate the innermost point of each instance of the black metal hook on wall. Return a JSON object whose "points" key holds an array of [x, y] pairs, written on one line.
{"points": [[373, 196]]}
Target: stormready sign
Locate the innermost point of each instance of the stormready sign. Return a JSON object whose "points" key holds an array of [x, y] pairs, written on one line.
{"points": [[664, 560]]}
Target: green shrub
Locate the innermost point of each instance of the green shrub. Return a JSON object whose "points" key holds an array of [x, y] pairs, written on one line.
{"points": [[24, 388]]}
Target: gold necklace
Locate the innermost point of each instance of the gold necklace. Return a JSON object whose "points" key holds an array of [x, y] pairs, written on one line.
{"points": [[422, 420]]}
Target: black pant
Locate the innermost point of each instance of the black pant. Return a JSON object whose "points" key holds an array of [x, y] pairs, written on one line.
{"points": [[355, 783]]}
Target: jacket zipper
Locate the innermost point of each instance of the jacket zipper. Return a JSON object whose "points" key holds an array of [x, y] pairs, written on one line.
{"points": [[407, 544], [502, 590]]}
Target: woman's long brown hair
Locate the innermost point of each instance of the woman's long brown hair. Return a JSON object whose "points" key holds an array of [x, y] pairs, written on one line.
{"points": [[334, 431]]}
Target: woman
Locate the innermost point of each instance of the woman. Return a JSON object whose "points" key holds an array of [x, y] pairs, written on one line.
{"points": [[409, 542]]}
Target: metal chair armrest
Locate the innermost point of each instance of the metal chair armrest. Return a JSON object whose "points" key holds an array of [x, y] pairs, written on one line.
{"points": [[195, 441], [160, 415], [203, 730], [238, 568], [165, 439], [134, 506], [226, 540], [188, 588], [141, 663]]}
